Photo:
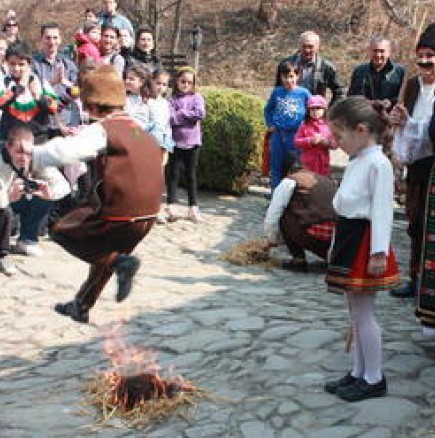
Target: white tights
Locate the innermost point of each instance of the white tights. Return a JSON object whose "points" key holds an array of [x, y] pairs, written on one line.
{"points": [[367, 337]]}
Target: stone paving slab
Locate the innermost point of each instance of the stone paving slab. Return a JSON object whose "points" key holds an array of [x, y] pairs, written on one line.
{"points": [[264, 340]]}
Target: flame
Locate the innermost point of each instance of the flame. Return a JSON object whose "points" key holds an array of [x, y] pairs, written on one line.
{"points": [[128, 359], [134, 374]]}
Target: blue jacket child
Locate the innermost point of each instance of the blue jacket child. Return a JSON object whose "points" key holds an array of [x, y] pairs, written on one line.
{"points": [[284, 112]]}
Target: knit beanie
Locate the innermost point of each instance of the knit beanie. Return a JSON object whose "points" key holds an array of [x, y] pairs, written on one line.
{"points": [[103, 86], [427, 38]]}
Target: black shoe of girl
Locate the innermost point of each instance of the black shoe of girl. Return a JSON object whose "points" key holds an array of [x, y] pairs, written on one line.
{"points": [[126, 267], [361, 390], [73, 310], [333, 385]]}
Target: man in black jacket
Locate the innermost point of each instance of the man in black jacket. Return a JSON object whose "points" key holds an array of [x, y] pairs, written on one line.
{"points": [[317, 74], [379, 79]]}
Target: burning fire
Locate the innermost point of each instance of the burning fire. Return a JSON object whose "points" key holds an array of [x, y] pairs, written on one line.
{"points": [[133, 389]]}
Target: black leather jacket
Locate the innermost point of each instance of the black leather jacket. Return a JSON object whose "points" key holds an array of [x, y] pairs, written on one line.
{"points": [[325, 77], [385, 84]]}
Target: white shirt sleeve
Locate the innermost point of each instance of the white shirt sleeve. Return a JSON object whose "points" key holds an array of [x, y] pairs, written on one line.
{"points": [[280, 199], [381, 180], [57, 183], [411, 142], [59, 151]]}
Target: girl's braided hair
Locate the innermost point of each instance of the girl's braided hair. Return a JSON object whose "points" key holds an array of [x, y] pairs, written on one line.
{"points": [[354, 110]]}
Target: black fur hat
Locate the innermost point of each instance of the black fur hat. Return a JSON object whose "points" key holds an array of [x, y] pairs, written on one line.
{"points": [[427, 38]]}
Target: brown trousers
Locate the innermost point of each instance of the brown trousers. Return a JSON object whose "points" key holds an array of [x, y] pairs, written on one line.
{"points": [[298, 240], [416, 194], [97, 242]]}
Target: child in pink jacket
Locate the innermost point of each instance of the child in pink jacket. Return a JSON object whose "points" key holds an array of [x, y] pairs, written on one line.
{"points": [[314, 138], [87, 41]]}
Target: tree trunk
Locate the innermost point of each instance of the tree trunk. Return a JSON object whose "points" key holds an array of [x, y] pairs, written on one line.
{"points": [[154, 17], [177, 27], [136, 11]]}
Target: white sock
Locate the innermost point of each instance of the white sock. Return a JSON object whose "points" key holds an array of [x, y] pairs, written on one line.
{"points": [[358, 358], [368, 343]]}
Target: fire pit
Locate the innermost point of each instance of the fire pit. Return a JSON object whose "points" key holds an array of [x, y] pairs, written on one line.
{"points": [[132, 389]]}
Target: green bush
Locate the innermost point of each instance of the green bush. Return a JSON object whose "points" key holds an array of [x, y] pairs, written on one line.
{"points": [[233, 132]]}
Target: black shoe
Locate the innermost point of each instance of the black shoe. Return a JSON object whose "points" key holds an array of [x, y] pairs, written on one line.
{"points": [[361, 390], [74, 310], [333, 385], [126, 267], [408, 290], [295, 265]]}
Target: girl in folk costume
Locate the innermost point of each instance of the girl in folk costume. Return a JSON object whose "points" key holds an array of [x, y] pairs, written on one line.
{"points": [[314, 137], [284, 112], [361, 261], [23, 98], [129, 184], [187, 110]]}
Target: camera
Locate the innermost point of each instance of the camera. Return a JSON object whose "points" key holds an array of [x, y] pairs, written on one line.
{"points": [[30, 185]]}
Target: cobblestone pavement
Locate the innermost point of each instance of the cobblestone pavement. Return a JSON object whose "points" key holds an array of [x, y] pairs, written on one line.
{"points": [[263, 339]]}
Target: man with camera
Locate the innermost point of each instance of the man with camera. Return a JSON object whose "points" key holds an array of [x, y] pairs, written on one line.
{"points": [[28, 191]]}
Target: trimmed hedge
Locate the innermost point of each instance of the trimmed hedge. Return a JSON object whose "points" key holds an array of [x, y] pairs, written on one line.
{"points": [[233, 132]]}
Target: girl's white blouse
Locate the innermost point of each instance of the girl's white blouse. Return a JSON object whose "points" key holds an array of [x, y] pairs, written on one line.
{"points": [[367, 192]]}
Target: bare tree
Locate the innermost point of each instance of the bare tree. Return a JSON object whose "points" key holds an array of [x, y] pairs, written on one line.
{"points": [[407, 13], [153, 13], [398, 14], [177, 26]]}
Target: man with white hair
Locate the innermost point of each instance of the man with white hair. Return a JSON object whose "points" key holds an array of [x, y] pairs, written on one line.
{"points": [[317, 74]]}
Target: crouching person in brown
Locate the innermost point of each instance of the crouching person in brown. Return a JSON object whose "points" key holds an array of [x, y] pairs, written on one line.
{"points": [[301, 214], [128, 187]]}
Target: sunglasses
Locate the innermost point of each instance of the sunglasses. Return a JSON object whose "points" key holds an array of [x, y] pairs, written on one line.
{"points": [[11, 25]]}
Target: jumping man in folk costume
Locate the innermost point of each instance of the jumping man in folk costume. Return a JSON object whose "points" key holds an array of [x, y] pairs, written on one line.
{"points": [[127, 193]]}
